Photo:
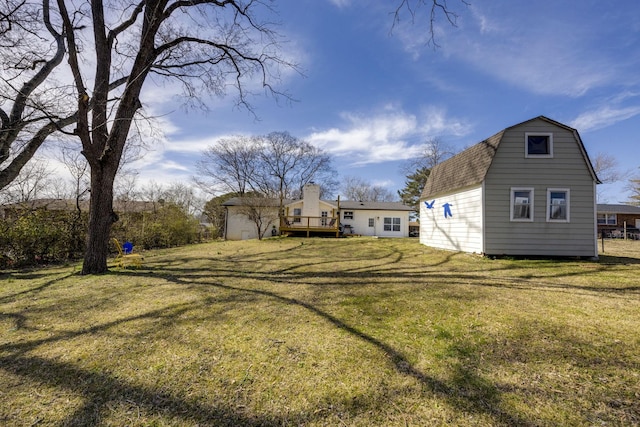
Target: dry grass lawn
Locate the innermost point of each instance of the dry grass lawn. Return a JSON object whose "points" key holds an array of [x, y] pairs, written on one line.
{"points": [[324, 332]]}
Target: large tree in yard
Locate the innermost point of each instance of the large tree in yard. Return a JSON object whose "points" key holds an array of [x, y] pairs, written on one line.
{"points": [[79, 67]]}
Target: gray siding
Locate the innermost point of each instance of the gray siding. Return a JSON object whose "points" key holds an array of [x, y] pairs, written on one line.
{"points": [[567, 169]]}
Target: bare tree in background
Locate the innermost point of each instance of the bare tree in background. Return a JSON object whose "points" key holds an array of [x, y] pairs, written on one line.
{"points": [[354, 188], [184, 196], [207, 46], [434, 151], [288, 163], [607, 168], [634, 188], [78, 168], [33, 182], [229, 166], [276, 165], [608, 171]]}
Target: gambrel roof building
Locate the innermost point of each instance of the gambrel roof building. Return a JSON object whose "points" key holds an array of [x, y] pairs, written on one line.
{"points": [[527, 190]]}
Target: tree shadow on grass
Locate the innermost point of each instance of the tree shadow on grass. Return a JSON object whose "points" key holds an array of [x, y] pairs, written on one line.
{"points": [[485, 400], [617, 260], [478, 395], [99, 390], [39, 288]]}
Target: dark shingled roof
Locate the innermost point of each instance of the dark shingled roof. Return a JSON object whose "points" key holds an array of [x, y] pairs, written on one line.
{"points": [[381, 206], [346, 204], [256, 201], [464, 169], [470, 166], [619, 209]]}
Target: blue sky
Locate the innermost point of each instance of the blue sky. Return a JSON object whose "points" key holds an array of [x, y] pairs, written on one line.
{"points": [[372, 97]]}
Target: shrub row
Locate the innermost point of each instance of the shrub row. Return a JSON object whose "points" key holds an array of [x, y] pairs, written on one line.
{"points": [[39, 236]]}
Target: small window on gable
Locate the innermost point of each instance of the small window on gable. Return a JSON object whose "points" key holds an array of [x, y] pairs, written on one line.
{"points": [[538, 145], [522, 204], [557, 205]]}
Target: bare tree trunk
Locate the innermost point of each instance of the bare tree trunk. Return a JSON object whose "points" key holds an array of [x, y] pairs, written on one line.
{"points": [[101, 217]]}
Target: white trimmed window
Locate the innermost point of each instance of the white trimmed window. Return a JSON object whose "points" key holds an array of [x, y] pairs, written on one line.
{"points": [[557, 204], [348, 214], [521, 204], [391, 224], [371, 222], [608, 219], [538, 144], [296, 214]]}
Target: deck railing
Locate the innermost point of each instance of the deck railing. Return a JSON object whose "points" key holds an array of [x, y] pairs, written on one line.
{"points": [[309, 222]]}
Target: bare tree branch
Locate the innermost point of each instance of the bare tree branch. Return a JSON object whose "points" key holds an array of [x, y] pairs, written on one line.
{"points": [[435, 8]]}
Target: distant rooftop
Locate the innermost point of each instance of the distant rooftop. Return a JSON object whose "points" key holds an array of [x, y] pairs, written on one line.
{"points": [[621, 209]]}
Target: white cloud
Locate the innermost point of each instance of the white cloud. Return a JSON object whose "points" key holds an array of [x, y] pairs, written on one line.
{"points": [[435, 123], [191, 146], [603, 117], [385, 136], [171, 165], [527, 46], [340, 3]]}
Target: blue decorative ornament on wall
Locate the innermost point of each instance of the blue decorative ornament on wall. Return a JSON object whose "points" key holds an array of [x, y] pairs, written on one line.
{"points": [[429, 205], [447, 210]]}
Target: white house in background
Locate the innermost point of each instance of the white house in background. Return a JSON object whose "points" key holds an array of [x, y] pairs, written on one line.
{"points": [[528, 190], [314, 216]]}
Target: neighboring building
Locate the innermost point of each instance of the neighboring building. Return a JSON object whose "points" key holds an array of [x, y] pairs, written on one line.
{"points": [[527, 190], [414, 229], [238, 224], [314, 216], [614, 219], [13, 210]]}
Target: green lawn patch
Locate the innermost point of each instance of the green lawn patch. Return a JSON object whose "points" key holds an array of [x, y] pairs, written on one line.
{"points": [[324, 332]]}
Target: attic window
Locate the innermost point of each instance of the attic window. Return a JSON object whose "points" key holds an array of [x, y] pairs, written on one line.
{"points": [[538, 145]]}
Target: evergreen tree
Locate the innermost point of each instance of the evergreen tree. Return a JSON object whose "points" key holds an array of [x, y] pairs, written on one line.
{"points": [[414, 184]]}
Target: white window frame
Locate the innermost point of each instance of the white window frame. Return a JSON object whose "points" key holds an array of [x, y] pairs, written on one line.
{"points": [[538, 156], [512, 202], [347, 214], [608, 219], [393, 224], [567, 204], [372, 222]]}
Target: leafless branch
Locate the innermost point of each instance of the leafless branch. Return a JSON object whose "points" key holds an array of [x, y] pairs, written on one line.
{"points": [[435, 8]]}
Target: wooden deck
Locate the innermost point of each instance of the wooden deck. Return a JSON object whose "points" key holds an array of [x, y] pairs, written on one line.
{"points": [[310, 225]]}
